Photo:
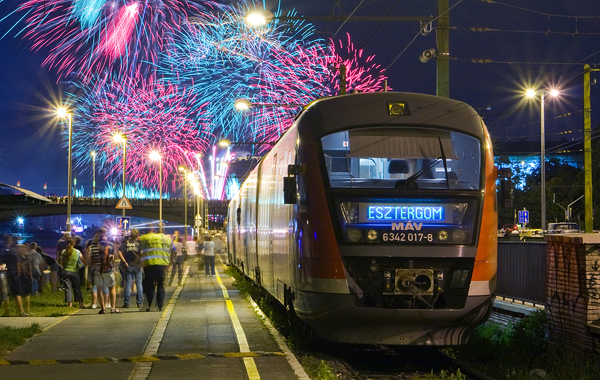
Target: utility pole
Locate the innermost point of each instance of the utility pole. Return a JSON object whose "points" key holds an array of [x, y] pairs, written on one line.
{"points": [[342, 79], [442, 33], [443, 55], [587, 149]]}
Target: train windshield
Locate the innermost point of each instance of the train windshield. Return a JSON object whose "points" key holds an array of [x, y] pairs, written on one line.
{"points": [[411, 158]]}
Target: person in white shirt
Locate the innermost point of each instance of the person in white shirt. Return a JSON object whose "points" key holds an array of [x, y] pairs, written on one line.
{"points": [[209, 256], [177, 259], [192, 251]]}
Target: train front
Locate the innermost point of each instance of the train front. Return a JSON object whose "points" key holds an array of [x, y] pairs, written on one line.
{"points": [[406, 253]]}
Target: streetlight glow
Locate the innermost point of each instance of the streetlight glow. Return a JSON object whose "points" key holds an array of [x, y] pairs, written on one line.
{"points": [[120, 138], [93, 154], [243, 105], [185, 198], [542, 94], [155, 156], [258, 17], [255, 19], [62, 113]]}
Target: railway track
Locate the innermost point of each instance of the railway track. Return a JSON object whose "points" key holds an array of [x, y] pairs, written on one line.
{"points": [[401, 363]]}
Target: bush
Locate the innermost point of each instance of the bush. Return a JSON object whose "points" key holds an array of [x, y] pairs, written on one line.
{"points": [[529, 335]]}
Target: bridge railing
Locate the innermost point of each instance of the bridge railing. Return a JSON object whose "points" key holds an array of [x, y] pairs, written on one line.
{"points": [[90, 201], [522, 271]]}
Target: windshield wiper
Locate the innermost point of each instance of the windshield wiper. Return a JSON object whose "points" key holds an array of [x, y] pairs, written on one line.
{"points": [[410, 182], [445, 163]]}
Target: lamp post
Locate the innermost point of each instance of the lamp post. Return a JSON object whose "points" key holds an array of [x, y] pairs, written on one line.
{"points": [[122, 139], [185, 176], [62, 112], [225, 143], [93, 174], [155, 156], [245, 105], [531, 94]]}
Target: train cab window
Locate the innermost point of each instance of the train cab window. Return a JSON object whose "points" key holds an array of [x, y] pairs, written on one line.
{"points": [[387, 157]]}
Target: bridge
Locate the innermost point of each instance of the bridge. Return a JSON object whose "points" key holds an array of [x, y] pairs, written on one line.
{"points": [[15, 201]]}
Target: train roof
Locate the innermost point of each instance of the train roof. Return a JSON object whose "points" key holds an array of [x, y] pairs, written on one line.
{"points": [[328, 115]]}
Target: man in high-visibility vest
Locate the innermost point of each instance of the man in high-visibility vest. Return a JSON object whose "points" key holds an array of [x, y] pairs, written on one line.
{"points": [[155, 251]]}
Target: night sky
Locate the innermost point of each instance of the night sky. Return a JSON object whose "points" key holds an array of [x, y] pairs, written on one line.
{"points": [[536, 42]]}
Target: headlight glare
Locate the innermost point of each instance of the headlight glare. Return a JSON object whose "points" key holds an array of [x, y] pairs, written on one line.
{"points": [[442, 235], [372, 235]]}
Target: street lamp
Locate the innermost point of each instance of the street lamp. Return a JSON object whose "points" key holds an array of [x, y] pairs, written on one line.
{"points": [[185, 177], [93, 174], [258, 17], [122, 139], [155, 156], [245, 104], [225, 143], [62, 113], [532, 94]]}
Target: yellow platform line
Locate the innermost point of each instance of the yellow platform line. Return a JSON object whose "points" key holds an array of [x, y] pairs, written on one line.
{"points": [[249, 363]]}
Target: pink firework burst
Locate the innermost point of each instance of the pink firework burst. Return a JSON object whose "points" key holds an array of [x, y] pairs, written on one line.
{"points": [[152, 116], [87, 37]]}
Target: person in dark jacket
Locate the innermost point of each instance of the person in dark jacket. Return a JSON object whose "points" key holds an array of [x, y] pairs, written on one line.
{"points": [[11, 259]]}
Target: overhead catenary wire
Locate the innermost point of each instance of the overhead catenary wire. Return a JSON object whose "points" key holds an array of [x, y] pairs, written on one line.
{"points": [[348, 18], [538, 12], [419, 33]]}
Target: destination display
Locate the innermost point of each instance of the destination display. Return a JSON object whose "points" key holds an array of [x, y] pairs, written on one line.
{"points": [[405, 212]]}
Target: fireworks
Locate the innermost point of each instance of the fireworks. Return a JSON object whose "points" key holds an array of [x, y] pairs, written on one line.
{"points": [[151, 116], [222, 60], [88, 37], [166, 73]]}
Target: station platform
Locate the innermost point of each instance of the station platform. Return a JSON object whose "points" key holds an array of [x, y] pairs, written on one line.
{"points": [[205, 330]]}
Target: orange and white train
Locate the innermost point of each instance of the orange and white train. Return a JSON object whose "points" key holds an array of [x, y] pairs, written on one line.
{"points": [[374, 219]]}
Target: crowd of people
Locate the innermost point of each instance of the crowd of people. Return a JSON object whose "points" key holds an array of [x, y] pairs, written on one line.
{"points": [[142, 261]]}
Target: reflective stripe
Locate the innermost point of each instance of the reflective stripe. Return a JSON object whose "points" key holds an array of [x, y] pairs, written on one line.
{"points": [[155, 249], [153, 257]]}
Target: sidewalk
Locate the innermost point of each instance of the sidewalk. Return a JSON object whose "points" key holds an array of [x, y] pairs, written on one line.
{"points": [[205, 328]]}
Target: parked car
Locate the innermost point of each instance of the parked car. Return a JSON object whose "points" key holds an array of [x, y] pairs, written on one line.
{"points": [[562, 228], [508, 229]]}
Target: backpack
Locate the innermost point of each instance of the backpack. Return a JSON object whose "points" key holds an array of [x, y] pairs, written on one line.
{"points": [[132, 250], [101, 256]]}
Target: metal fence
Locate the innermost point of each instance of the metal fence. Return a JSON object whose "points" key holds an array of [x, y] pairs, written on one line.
{"points": [[522, 271]]}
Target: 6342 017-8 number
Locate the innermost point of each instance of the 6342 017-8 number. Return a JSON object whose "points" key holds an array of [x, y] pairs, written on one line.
{"points": [[413, 237]]}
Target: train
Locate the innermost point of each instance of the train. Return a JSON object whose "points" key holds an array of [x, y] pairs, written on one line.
{"points": [[374, 220]]}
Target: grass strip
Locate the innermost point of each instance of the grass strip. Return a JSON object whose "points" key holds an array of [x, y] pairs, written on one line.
{"points": [[13, 337]]}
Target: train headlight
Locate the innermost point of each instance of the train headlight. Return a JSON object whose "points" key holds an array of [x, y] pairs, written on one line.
{"points": [[372, 235], [458, 236], [354, 234], [442, 235]]}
